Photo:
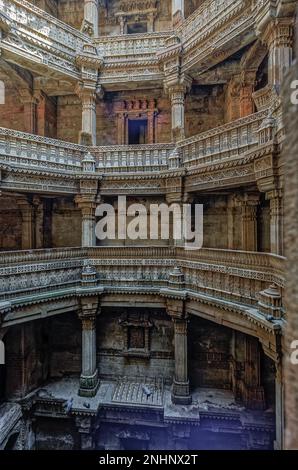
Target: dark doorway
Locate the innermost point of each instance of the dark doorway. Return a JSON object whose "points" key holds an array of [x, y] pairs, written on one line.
{"points": [[137, 28], [130, 443], [137, 131]]}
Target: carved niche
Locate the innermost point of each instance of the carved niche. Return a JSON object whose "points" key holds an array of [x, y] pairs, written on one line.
{"points": [[136, 328], [136, 13]]}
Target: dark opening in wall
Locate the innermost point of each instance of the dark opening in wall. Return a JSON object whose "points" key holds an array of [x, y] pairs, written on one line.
{"points": [[137, 131], [137, 28]]}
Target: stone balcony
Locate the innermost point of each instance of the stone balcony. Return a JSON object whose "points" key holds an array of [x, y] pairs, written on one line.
{"points": [[229, 141], [224, 285], [36, 40], [20, 151]]}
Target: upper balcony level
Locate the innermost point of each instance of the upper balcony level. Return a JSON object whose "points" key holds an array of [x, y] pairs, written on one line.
{"points": [[37, 40]]}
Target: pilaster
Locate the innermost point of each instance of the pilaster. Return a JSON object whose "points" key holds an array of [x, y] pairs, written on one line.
{"points": [[27, 213], [279, 36], [89, 382], [249, 205], [175, 305], [276, 221]]}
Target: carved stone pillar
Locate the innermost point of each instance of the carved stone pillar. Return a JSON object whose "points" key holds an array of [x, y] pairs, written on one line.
{"points": [[30, 111], [27, 212], [249, 222], [276, 222], [87, 205], [177, 97], [247, 105], [91, 16], [279, 38], [254, 392], [231, 222], [181, 390], [177, 11], [89, 382], [88, 98], [39, 222]]}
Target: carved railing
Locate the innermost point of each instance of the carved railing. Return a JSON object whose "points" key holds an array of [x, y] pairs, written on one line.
{"points": [[27, 150], [140, 46], [132, 158], [212, 32], [39, 37], [205, 19], [224, 274], [229, 141], [22, 150]]}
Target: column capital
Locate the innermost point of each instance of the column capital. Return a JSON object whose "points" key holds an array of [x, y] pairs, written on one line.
{"points": [[274, 194], [178, 85], [85, 202], [24, 203], [279, 33], [89, 306], [176, 309]]}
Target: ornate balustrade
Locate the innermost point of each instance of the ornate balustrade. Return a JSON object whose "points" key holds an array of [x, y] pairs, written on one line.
{"points": [[36, 37], [39, 37], [205, 18], [22, 150], [232, 141], [229, 141], [215, 26], [222, 274], [133, 47], [132, 158], [36, 152]]}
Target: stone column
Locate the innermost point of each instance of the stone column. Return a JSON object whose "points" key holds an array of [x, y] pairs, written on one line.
{"points": [[248, 81], [181, 393], [254, 392], [231, 222], [175, 308], [249, 206], [91, 15], [88, 98], [279, 408], [279, 38], [276, 221], [89, 382], [87, 205], [177, 11], [177, 97], [27, 212], [39, 222], [30, 111]]}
